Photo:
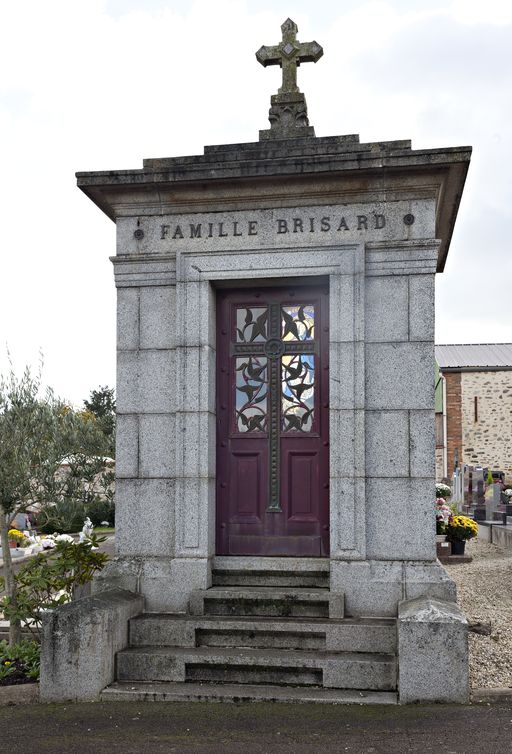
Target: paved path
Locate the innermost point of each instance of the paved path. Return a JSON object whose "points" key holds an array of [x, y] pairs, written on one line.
{"points": [[155, 728]]}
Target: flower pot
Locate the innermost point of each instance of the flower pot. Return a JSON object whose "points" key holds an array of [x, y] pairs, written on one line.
{"points": [[13, 544], [458, 546]]}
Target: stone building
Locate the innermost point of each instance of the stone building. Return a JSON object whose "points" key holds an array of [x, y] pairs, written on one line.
{"points": [[275, 436], [475, 420]]}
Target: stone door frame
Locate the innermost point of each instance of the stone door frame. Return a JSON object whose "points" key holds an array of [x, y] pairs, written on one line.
{"points": [[196, 275]]}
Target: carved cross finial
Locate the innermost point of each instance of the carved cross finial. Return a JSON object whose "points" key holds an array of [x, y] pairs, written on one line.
{"points": [[289, 54]]}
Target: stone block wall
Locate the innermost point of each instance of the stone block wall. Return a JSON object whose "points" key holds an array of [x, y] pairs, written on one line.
{"points": [[146, 420], [487, 434], [400, 437]]}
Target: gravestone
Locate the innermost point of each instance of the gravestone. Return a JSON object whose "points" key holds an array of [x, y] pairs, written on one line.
{"points": [[275, 389], [480, 511]]}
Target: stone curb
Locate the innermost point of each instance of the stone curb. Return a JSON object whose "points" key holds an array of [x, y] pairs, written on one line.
{"points": [[491, 696], [23, 693], [28, 693]]}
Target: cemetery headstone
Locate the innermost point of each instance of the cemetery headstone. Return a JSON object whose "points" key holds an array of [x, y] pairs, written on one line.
{"points": [[480, 512]]}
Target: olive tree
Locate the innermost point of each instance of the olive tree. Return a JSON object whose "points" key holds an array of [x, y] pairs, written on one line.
{"points": [[37, 431], [102, 404]]}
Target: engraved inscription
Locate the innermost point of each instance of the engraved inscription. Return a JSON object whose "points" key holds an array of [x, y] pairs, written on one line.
{"points": [[223, 229], [289, 226]]}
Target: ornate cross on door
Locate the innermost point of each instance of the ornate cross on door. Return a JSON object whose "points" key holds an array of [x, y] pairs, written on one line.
{"points": [[286, 331]]}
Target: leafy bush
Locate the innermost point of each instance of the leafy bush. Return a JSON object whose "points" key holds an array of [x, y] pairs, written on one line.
{"points": [[101, 510], [48, 581], [20, 662], [65, 516]]}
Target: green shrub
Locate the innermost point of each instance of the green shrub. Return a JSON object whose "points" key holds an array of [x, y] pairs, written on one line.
{"points": [[64, 517], [101, 510], [49, 580], [19, 661]]}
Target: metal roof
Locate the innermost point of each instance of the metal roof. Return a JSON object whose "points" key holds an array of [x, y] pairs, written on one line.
{"points": [[474, 356]]}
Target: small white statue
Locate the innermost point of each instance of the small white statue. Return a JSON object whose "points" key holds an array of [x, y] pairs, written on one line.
{"points": [[86, 530]]}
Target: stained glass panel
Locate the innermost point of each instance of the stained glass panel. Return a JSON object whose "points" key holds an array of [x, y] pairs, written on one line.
{"points": [[251, 324], [298, 392], [298, 322], [251, 394]]}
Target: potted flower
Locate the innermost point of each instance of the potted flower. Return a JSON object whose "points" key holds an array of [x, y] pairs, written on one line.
{"points": [[506, 495], [443, 513], [16, 538], [458, 531], [442, 490]]}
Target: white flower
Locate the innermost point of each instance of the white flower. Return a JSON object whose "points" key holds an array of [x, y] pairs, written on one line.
{"points": [[64, 538], [48, 543], [508, 493]]}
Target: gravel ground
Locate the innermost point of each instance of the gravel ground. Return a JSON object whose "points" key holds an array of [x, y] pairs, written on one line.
{"points": [[485, 595]]}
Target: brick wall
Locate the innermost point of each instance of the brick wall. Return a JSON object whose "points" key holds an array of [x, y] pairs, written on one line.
{"points": [[453, 417], [487, 437]]}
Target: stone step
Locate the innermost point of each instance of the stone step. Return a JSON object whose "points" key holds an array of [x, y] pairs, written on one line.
{"points": [[347, 635], [265, 601], [229, 636], [265, 578], [218, 671], [349, 670], [211, 692]]}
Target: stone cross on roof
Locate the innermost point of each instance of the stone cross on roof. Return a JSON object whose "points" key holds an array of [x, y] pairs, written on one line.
{"points": [[288, 114], [289, 54]]}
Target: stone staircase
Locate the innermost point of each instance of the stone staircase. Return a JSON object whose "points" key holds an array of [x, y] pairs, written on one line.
{"points": [[259, 635]]}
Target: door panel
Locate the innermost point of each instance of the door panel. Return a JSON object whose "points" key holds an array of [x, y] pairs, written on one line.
{"points": [[302, 483], [246, 488], [272, 422]]}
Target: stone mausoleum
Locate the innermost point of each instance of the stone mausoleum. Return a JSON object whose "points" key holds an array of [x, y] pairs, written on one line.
{"points": [[275, 529]]}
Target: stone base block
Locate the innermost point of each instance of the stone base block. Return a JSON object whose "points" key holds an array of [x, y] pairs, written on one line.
{"points": [[433, 652], [428, 580], [165, 583], [168, 583], [374, 588], [119, 573], [80, 642]]}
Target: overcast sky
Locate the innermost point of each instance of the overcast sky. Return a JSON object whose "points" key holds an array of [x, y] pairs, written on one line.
{"points": [[101, 84]]}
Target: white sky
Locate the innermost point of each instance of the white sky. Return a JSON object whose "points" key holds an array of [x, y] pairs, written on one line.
{"points": [[101, 84]]}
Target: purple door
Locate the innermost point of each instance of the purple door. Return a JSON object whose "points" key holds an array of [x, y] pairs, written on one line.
{"points": [[272, 421]]}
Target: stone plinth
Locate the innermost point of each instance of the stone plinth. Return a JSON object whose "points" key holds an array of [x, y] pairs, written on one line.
{"points": [[80, 641], [433, 652]]}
